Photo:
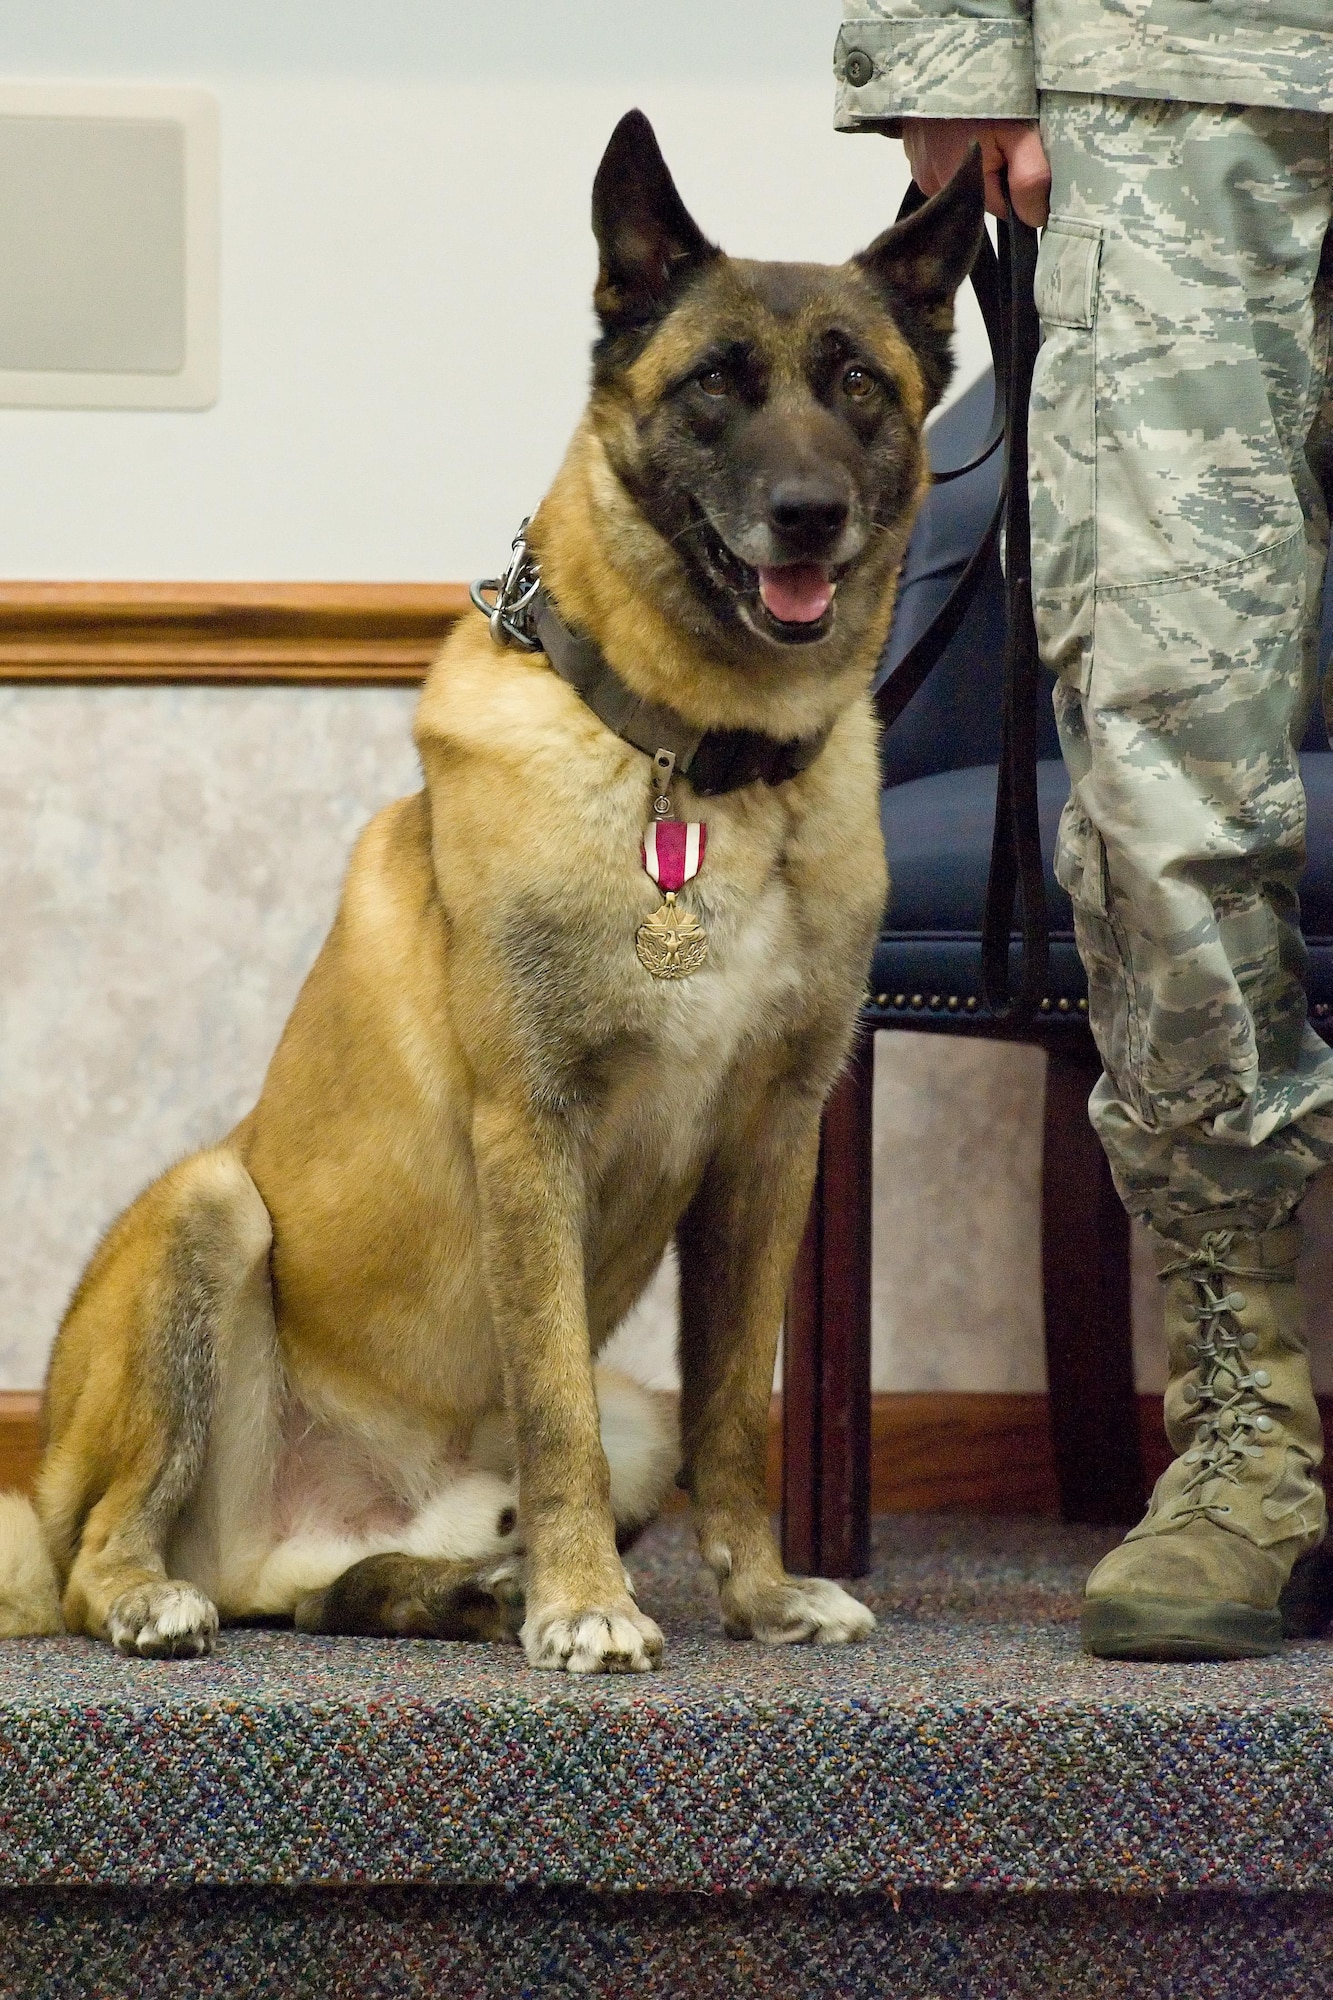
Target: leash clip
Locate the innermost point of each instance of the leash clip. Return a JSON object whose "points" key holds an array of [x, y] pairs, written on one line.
{"points": [[507, 612]]}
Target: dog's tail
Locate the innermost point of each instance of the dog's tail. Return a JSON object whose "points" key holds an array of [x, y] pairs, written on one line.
{"points": [[29, 1590]]}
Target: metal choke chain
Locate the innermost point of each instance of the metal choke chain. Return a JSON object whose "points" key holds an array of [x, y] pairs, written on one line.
{"points": [[514, 593]]}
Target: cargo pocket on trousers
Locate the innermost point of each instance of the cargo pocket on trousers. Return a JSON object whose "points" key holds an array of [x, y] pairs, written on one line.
{"points": [[1062, 446]]}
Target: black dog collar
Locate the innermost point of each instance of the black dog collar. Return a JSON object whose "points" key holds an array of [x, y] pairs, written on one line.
{"points": [[521, 613], [714, 760]]}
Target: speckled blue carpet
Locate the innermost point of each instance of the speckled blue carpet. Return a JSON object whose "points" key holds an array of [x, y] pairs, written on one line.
{"points": [[964, 1806]]}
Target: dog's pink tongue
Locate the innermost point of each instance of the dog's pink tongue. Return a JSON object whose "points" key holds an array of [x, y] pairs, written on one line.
{"points": [[798, 593]]}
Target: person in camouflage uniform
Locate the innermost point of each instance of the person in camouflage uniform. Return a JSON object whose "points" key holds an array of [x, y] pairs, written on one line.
{"points": [[1180, 155]]}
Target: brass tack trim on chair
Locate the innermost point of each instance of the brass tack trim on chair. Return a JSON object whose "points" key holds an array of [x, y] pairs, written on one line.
{"points": [[954, 1002]]}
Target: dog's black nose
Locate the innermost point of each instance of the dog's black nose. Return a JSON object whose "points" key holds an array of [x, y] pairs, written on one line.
{"points": [[809, 513]]}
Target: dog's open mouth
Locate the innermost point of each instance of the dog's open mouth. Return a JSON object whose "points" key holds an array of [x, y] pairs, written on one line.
{"points": [[791, 602], [798, 593]]}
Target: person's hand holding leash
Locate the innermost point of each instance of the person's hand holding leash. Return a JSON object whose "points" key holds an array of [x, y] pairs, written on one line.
{"points": [[937, 147]]}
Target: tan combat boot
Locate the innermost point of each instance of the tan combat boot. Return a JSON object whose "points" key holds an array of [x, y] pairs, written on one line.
{"points": [[1201, 1575]]}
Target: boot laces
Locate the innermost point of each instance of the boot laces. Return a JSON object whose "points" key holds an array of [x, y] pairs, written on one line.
{"points": [[1230, 1414]]}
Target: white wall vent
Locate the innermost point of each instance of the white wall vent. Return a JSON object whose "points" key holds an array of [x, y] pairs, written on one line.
{"points": [[108, 247]]}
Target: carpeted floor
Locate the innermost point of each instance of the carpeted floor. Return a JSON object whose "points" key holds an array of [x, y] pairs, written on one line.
{"points": [[408, 1944], [966, 1805], [969, 1744]]}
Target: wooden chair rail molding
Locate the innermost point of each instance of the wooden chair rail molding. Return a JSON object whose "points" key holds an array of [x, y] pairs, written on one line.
{"points": [[279, 634], [946, 1453]]}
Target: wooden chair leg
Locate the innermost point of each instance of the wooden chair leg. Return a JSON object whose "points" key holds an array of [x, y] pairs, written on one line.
{"points": [[826, 1351], [1086, 1286]]}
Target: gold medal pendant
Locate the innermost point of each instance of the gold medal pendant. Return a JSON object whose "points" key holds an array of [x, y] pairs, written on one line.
{"points": [[673, 943]]}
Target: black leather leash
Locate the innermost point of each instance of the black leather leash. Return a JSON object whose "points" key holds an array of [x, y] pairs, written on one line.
{"points": [[909, 676], [1016, 857], [1004, 291]]}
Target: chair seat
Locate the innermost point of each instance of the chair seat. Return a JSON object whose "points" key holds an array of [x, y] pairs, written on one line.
{"points": [[926, 970]]}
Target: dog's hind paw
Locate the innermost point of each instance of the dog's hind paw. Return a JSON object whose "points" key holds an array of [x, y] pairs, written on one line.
{"points": [[601, 1639], [396, 1596], [163, 1621], [802, 1609], [504, 1580]]}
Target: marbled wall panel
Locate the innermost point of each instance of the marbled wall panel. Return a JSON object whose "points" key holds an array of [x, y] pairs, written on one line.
{"points": [[172, 860], [957, 1279]]}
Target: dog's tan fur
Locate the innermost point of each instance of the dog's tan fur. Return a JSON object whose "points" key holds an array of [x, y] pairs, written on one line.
{"points": [[341, 1365]]}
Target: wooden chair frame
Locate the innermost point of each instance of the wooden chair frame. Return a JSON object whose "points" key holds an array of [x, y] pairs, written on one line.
{"points": [[1086, 1299]]}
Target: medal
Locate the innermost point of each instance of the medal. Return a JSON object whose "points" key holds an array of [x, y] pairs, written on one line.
{"points": [[672, 944]]}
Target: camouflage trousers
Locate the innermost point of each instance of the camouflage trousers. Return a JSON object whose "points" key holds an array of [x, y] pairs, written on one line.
{"points": [[1179, 543]]}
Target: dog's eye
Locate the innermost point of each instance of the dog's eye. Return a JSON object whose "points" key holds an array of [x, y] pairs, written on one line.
{"points": [[714, 382], [859, 383]]}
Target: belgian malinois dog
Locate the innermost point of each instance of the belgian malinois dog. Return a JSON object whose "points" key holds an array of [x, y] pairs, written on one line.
{"points": [[340, 1367]]}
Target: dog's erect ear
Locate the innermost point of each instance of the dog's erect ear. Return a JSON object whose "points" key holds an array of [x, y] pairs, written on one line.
{"points": [[647, 238], [918, 265]]}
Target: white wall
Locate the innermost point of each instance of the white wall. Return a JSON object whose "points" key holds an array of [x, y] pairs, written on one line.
{"points": [[407, 262]]}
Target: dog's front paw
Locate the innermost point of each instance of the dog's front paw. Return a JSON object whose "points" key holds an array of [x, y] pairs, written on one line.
{"points": [[163, 1621], [800, 1608], [596, 1639]]}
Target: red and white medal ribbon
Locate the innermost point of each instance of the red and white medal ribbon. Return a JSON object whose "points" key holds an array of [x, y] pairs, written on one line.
{"points": [[672, 944], [673, 852]]}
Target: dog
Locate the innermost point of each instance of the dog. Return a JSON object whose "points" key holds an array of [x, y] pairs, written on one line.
{"points": [[340, 1367]]}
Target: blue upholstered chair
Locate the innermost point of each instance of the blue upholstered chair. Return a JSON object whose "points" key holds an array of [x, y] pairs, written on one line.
{"points": [[937, 808]]}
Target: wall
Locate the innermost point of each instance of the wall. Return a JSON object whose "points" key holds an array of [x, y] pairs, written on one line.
{"points": [[406, 266], [407, 262]]}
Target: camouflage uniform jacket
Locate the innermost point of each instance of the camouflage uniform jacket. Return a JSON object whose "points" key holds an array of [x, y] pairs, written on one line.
{"points": [[989, 58]]}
